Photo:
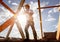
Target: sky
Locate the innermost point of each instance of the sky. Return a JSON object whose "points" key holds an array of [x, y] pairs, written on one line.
{"points": [[50, 16]]}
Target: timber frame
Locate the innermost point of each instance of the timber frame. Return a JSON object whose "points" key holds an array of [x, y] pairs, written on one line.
{"points": [[11, 21]]}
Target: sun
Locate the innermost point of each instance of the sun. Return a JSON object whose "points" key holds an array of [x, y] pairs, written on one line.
{"points": [[22, 18]]}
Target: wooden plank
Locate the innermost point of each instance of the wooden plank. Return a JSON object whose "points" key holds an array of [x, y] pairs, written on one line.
{"points": [[11, 26], [49, 7], [20, 6], [40, 19], [58, 30], [6, 24], [0, 1], [7, 7], [20, 29]]}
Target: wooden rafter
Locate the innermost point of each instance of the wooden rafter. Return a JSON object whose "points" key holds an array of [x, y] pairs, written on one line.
{"points": [[20, 6], [0, 1], [11, 21], [6, 24], [40, 18], [11, 26], [48, 7], [20, 29], [7, 7]]}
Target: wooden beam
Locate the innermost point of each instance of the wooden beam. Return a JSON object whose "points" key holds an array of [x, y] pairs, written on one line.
{"points": [[40, 18], [20, 6], [20, 29], [7, 7], [6, 24], [11, 26], [58, 30], [59, 8], [49, 7], [0, 1]]}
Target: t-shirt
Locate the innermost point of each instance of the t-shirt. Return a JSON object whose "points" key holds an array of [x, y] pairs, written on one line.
{"points": [[29, 14]]}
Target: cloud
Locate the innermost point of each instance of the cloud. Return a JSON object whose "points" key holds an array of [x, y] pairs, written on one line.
{"points": [[50, 11], [34, 5], [50, 18], [4, 15], [2, 8], [9, 1], [54, 10], [56, 26], [44, 4], [58, 3], [14, 4]]}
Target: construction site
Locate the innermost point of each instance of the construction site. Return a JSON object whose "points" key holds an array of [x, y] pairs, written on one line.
{"points": [[44, 30]]}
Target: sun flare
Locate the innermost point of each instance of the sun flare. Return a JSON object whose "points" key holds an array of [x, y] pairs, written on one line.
{"points": [[22, 19]]}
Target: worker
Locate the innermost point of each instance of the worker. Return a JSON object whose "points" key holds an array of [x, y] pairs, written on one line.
{"points": [[29, 13]]}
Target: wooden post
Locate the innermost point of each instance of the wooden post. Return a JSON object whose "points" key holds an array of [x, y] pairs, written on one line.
{"points": [[7, 7], [1, 1], [20, 29], [40, 18], [20, 6], [6, 24], [58, 29], [10, 30]]}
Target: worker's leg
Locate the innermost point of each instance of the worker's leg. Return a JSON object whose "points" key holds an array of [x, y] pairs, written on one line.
{"points": [[26, 31], [34, 32]]}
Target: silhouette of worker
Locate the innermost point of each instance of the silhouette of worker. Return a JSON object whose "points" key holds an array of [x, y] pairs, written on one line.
{"points": [[28, 12]]}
